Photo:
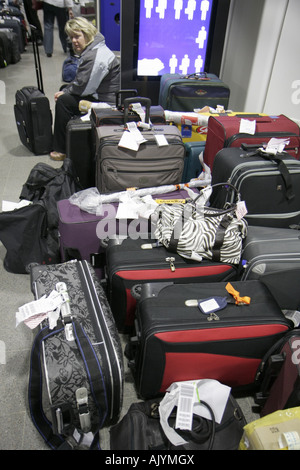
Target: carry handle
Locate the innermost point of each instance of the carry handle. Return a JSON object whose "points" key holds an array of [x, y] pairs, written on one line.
{"points": [[283, 169], [252, 147], [237, 194], [197, 76], [137, 99], [253, 116], [129, 91]]}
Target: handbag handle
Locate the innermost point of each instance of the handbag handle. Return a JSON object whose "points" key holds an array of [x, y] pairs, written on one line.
{"points": [[226, 185]]}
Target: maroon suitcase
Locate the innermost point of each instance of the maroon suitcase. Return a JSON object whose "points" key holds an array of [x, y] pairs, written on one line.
{"points": [[224, 131], [174, 341], [129, 266], [280, 384], [81, 232]]}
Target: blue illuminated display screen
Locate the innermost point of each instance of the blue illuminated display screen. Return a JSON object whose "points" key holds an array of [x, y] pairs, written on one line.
{"points": [[173, 36]]}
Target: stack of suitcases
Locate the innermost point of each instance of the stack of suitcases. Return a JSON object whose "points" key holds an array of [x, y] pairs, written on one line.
{"points": [[135, 289], [13, 35]]}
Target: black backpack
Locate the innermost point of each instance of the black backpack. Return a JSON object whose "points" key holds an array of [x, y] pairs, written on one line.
{"points": [[30, 233]]}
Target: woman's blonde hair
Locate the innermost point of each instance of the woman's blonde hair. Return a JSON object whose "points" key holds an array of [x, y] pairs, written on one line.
{"points": [[80, 24]]}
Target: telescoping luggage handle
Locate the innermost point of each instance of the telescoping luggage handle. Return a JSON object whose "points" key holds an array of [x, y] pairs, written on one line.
{"points": [[37, 61], [146, 102], [129, 91]]}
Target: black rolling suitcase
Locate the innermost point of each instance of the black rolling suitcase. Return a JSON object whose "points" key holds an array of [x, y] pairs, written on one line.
{"points": [[15, 24], [32, 112], [14, 54], [272, 255], [175, 340], [5, 50], [80, 358], [130, 263], [79, 148], [269, 185]]}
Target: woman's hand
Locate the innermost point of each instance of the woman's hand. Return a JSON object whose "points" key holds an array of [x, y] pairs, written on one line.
{"points": [[58, 94]]}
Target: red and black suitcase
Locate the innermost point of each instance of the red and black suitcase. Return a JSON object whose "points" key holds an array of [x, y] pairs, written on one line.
{"points": [[175, 341], [131, 263], [224, 131]]}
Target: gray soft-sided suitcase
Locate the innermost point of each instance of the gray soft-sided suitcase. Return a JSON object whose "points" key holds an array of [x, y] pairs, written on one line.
{"points": [[272, 255], [269, 185], [80, 359], [118, 168]]}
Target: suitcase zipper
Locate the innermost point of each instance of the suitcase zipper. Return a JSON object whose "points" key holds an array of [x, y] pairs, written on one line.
{"points": [[172, 141], [262, 259], [159, 265], [280, 240], [268, 170], [114, 373], [115, 172], [278, 216]]}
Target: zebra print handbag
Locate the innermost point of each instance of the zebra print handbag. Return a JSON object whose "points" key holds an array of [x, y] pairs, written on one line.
{"points": [[195, 230]]}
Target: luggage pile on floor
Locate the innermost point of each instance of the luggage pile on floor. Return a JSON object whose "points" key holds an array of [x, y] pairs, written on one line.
{"points": [[197, 276], [13, 35]]}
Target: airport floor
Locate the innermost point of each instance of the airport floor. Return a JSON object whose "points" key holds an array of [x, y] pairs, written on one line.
{"points": [[16, 429]]}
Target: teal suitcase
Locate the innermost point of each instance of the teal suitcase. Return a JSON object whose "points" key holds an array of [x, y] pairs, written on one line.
{"points": [[192, 163]]}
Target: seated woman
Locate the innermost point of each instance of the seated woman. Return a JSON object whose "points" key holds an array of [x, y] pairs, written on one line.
{"points": [[97, 79]]}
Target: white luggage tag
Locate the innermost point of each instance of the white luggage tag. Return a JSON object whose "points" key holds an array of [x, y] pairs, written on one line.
{"points": [[212, 304], [161, 140], [209, 305]]}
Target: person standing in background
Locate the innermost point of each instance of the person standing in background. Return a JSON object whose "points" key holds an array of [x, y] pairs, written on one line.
{"points": [[33, 19], [61, 10]]}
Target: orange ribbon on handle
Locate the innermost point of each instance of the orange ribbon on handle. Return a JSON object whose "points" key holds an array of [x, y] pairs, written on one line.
{"points": [[236, 295]]}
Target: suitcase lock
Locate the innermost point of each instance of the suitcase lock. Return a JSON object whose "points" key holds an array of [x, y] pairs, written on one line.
{"points": [[171, 260], [65, 311]]}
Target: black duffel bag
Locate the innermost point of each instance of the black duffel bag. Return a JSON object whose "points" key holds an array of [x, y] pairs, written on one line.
{"points": [[140, 429]]}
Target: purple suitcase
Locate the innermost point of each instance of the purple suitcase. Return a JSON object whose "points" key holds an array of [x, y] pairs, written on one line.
{"points": [[82, 234]]}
